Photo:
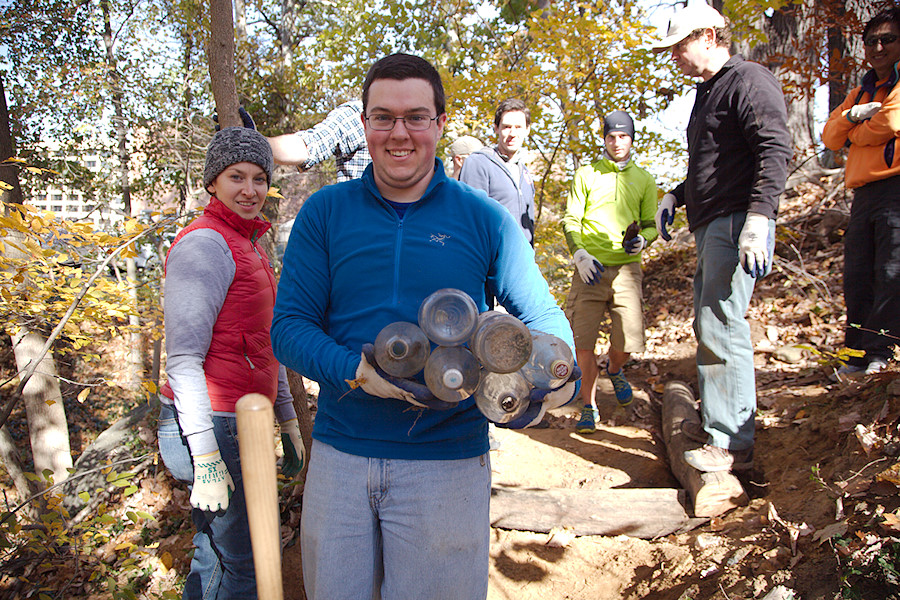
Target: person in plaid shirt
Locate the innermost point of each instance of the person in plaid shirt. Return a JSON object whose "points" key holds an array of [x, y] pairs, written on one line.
{"points": [[341, 135]]}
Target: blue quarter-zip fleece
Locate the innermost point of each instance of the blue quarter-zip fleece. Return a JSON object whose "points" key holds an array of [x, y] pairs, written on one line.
{"points": [[353, 266]]}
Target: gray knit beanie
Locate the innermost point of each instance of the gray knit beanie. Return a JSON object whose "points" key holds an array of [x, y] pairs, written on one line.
{"points": [[618, 120], [235, 145]]}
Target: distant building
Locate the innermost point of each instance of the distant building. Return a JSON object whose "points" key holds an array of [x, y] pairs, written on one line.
{"points": [[71, 204]]}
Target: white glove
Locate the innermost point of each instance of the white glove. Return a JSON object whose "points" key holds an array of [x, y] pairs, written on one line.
{"points": [[374, 384], [665, 215], [589, 268], [294, 450], [754, 245], [212, 483], [635, 244], [861, 112]]}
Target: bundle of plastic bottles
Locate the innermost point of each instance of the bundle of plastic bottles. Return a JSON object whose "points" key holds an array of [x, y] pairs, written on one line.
{"points": [[492, 355]]}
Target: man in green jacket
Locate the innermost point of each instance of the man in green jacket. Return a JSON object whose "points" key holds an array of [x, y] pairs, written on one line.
{"points": [[605, 198]]}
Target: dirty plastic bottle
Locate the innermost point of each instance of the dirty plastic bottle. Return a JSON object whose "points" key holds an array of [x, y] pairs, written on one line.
{"points": [[402, 349], [452, 373], [501, 342], [551, 361], [502, 397], [448, 317]]}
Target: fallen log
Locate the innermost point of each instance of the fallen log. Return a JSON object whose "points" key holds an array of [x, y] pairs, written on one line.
{"points": [[645, 513], [711, 493]]}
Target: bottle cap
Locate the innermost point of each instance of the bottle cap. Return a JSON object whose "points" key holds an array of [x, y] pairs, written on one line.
{"points": [[560, 369], [453, 379]]}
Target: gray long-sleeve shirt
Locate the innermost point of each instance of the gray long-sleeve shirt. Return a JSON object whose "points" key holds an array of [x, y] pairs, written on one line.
{"points": [[199, 272]]}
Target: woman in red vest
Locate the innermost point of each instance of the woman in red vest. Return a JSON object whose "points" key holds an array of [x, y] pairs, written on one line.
{"points": [[219, 297]]}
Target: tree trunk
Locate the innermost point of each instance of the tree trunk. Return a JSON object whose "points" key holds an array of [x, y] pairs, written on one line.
{"points": [[12, 462], [56, 454], [136, 340], [220, 55], [789, 52], [47, 426], [304, 418], [9, 174]]}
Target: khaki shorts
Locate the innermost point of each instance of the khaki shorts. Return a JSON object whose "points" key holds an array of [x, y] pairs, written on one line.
{"points": [[619, 293]]}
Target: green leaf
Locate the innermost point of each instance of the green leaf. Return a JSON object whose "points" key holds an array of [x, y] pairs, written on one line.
{"points": [[84, 496]]}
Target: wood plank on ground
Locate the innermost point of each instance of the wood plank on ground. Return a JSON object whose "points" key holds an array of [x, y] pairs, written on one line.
{"points": [[645, 513], [711, 493]]}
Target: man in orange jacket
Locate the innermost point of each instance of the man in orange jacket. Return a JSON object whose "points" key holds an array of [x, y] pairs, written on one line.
{"points": [[868, 122]]}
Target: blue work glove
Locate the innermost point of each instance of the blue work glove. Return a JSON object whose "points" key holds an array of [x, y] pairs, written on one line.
{"points": [[756, 245], [542, 400], [665, 215], [373, 380], [246, 119], [589, 268], [635, 244]]}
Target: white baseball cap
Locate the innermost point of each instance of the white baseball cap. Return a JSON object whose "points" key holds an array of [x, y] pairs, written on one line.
{"points": [[687, 20]]}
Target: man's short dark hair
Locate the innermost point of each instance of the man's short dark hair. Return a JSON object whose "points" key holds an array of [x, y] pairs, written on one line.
{"points": [[888, 15], [509, 105], [723, 35], [406, 66]]}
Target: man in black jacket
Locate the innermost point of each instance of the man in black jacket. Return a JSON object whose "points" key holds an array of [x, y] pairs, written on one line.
{"points": [[738, 151]]}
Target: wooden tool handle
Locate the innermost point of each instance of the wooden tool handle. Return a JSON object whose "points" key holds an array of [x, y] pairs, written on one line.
{"points": [[255, 419]]}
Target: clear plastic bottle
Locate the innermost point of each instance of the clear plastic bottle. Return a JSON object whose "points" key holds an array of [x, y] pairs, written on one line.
{"points": [[501, 342], [402, 349], [448, 317], [502, 397], [452, 373], [551, 361]]}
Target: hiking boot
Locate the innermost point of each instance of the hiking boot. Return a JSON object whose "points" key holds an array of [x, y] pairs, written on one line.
{"points": [[710, 459], [588, 421], [694, 431], [621, 387], [876, 365]]}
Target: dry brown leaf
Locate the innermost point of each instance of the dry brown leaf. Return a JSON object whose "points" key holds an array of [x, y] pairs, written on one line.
{"points": [[891, 523]]}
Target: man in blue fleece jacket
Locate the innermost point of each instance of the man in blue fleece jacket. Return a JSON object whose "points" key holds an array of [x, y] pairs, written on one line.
{"points": [[396, 497]]}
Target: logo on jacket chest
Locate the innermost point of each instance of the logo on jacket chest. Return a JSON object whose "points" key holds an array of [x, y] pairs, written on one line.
{"points": [[439, 238]]}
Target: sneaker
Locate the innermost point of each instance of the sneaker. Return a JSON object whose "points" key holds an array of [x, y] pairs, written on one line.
{"points": [[622, 387], [843, 371], [710, 459], [588, 421], [694, 431], [876, 365]]}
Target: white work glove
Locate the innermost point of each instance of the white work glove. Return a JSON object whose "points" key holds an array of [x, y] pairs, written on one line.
{"points": [[373, 380], [212, 483], [665, 215], [861, 112], [589, 268], [635, 244], [755, 246], [294, 450]]}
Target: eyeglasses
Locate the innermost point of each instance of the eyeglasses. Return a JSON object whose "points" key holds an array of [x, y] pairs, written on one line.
{"points": [[884, 40], [412, 122]]}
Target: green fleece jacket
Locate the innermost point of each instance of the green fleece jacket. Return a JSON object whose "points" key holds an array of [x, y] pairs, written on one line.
{"points": [[603, 201]]}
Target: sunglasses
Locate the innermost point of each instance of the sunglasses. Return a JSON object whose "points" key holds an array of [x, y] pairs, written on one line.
{"points": [[884, 40]]}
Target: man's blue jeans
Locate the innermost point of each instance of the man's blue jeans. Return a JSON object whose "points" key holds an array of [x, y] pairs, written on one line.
{"points": [[725, 371], [395, 529], [222, 566]]}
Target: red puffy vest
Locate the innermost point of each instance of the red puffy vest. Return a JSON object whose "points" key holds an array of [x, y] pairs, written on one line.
{"points": [[240, 359]]}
